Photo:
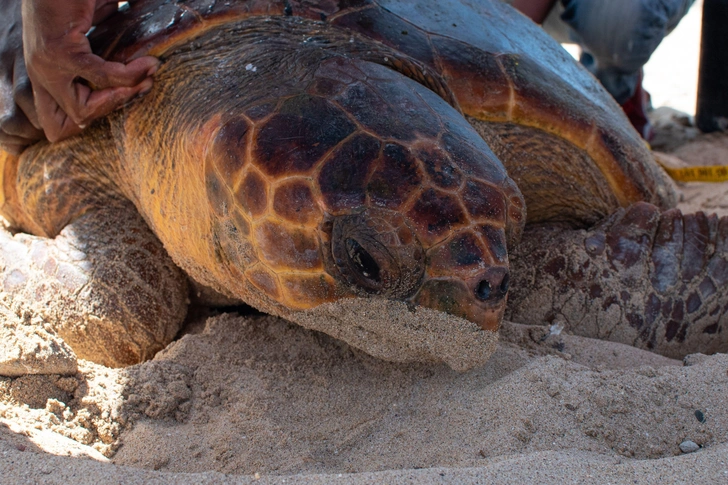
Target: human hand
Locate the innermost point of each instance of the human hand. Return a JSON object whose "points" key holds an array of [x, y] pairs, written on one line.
{"points": [[71, 85], [18, 120]]}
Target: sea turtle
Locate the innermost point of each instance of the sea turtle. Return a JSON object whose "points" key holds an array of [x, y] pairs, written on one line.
{"points": [[359, 167]]}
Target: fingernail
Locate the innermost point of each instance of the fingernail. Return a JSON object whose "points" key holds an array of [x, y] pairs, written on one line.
{"points": [[146, 86], [153, 70]]}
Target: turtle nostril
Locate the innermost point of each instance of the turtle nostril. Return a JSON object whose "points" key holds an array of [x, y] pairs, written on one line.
{"points": [[504, 284], [483, 290], [494, 286]]}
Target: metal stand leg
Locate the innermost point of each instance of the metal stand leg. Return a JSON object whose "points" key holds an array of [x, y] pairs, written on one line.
{"points": [[712, 108]]}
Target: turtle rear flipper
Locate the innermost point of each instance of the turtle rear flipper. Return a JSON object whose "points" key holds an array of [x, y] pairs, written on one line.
{"points": [[655, 280]]}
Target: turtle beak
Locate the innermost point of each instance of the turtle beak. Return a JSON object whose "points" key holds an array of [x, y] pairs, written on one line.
{"points": [[480, 299]]}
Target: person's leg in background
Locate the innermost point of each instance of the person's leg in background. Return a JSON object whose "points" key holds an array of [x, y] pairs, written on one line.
{"points": [[618, 37]]}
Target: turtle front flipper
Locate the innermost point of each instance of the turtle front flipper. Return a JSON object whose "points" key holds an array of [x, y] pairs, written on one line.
{"points": [[104, 284], [100, 280], [655, 280]]}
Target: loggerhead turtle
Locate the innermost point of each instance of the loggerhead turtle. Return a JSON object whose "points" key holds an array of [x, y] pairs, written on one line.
{"points": [[326, 161]]}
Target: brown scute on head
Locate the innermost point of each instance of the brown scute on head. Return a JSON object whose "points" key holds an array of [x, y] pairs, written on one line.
{"points": [[241, 223], [265, 280], [469, 158], [435, 214], [342, 179], [397, 164], [252, 194], [229, 148], [298, 135], [304, 291], [283, 247], [462, 254], [495, 241], [294, 201], [236, 249], [439, 167], [387, 104], [445, 295], [326, 86], [483, 201]]}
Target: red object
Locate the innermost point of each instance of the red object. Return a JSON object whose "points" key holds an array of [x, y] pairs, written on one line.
{"points": [[636, 109]]}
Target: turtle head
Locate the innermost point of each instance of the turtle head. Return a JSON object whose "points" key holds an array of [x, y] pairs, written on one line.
{"points": [[418, 207], [367, 189]]}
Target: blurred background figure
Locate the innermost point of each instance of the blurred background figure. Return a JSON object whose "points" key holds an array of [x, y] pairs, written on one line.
{"points": [[617, 38]]}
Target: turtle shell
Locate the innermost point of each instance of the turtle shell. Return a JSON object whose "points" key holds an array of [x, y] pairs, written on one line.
{"points": [[500, 68]]}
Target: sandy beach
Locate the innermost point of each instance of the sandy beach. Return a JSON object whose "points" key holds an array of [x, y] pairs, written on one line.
{"points": [[242, 397]]}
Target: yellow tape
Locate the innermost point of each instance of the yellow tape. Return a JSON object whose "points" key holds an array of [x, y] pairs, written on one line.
{"points": [[714, 173]]}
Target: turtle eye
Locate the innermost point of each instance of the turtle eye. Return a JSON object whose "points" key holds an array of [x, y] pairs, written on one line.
{"points": [[362, 261], [374, 253]]}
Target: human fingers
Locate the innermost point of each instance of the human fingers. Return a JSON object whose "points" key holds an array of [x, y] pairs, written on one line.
{"points": [[23, 93], [89, 104], [56, 124], [92, 104], [113, 85], [103, 74], [98, 103]]}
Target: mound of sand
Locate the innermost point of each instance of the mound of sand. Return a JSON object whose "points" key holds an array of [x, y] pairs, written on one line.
{"points": [[259, 397]]}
